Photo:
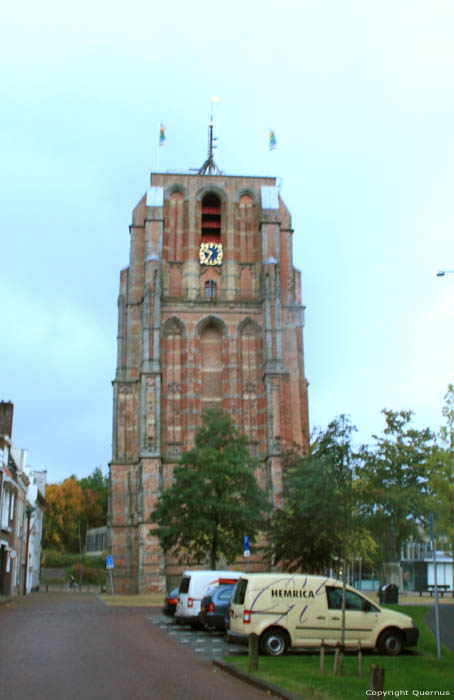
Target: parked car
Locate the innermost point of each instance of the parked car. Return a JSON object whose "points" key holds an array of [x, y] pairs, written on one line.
{"points": [[170, 603], [193, 587], [215, 605]]}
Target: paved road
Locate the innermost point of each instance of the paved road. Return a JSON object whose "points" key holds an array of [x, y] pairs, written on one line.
{"points": [[207, 645], [446, 624], [69, 646]]}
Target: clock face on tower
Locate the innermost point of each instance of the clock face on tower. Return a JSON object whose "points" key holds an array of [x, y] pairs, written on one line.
{"points": [[211, 253]]}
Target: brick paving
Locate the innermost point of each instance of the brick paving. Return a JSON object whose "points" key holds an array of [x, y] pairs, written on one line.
{"points": [[69, 646]]}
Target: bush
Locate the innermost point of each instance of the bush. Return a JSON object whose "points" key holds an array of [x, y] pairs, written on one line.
{"points": [[94, 568]]}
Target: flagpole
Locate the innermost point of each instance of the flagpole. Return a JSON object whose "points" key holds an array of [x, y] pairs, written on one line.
{"points": [[159, 148]]}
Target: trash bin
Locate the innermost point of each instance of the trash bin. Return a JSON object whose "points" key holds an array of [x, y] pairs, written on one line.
{"points": [[389, 593]]}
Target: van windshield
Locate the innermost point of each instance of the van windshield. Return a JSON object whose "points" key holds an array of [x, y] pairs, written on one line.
{"points": [[240, 591], [184, 585]]}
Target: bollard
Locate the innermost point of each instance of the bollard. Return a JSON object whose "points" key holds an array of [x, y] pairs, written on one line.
{"points": [[377, 678], [336, 659], [253, 645], [360, 660], [322, 656]]}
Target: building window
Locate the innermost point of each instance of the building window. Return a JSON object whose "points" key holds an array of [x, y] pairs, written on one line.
{"points": [[5, 509], [210, 289], [211, 219]]}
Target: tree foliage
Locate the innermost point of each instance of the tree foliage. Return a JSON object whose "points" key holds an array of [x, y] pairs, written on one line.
{"points": [[72, 504], [393, 483], [214, 499], [319, 524], [441, 478]]}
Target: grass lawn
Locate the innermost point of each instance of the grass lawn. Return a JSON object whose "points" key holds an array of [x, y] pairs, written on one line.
{"points": [[414, 670]]}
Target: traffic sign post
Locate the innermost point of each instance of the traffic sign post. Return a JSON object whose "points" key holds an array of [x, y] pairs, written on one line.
{"points": [[437, 612], [109, 567], [246, 551]]}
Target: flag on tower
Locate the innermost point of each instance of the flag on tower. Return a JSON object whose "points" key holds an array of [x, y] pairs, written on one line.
{"points": [[162, 135], [273, 141]]}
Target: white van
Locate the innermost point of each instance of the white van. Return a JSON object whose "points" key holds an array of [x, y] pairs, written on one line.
{"points": [[298, 610], [193, 587]]}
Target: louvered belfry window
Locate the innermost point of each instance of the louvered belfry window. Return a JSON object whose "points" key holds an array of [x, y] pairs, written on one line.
{"points": [[211, 219]]}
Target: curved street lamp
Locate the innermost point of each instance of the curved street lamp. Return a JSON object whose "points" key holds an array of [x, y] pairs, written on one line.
{"points": [[442, 273]]}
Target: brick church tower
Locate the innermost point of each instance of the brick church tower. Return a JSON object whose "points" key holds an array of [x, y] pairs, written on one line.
{"points": [[209, 316]]}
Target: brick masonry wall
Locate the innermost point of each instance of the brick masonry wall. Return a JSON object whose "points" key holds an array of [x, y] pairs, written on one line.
{"points": [[181, 351]]}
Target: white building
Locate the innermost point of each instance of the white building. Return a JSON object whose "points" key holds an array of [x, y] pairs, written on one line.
{"points": [[30, 522]]}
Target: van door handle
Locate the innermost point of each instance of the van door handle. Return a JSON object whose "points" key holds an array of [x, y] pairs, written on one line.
{"points": [[321, 617], [335, 618]]}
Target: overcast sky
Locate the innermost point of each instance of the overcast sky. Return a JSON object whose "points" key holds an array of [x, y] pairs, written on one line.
{"points": [[360, 95]]}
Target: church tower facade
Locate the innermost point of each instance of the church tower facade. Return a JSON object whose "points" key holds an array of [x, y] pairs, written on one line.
{"points": [[209, 316]]}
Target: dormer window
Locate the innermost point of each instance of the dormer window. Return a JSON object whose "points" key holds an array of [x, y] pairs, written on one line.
{"points": [[211, 219]]}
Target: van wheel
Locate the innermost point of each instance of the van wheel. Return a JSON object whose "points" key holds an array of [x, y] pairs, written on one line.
{"points": [[274, 642], [390, 642]]}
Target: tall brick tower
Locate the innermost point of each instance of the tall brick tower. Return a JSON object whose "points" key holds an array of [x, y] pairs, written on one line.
{"points": [[209, 315]]}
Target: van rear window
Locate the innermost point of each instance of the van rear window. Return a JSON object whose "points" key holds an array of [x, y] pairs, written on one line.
{"points": [[184, 585], [240, 591]]}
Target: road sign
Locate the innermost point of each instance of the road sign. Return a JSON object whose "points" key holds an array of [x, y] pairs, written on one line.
{"points": [[109, 561], [246, 551]]}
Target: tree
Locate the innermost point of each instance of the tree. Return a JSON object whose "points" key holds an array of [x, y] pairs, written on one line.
{"points": [[64, 509], [393, 483], [441, 477], [319, 524], [214, 499], [96, 484], [73, 506]]}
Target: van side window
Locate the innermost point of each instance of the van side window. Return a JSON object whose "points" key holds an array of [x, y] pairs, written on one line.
{"points": [[352, 601], [334, 598], [240, 592]]}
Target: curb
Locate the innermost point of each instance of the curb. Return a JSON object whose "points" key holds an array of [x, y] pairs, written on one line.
{"points": [[257, 682]]}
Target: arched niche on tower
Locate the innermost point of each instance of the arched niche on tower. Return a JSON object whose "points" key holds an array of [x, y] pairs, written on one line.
{"points": [[248, 326], [211, 321], [248, 240], [177, 187], [249, 347], [174, 381], [246, 192], [174, 222]]}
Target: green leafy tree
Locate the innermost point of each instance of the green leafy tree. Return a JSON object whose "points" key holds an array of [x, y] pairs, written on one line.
{"points": [[319, 524], [97, 484], [441, 478], [214, 499], [393, 483]]}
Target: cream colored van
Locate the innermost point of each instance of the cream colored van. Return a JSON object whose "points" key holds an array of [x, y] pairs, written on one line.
{"points": [[298, 610]]}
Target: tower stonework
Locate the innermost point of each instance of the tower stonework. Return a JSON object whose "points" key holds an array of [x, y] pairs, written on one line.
{"points": [[209, 316]]}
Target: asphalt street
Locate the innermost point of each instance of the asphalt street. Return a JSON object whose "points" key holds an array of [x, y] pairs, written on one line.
{"points": [[68, 646], [446, 624]]}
